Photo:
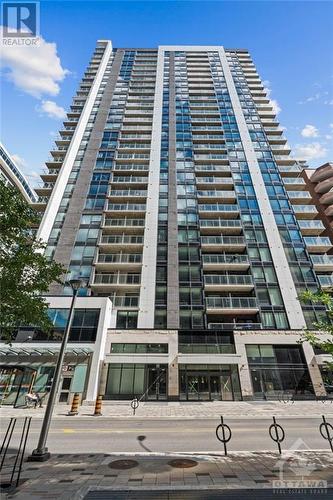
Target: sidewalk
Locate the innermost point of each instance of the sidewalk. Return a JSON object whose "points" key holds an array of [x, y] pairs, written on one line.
{"points": [[72, 477], [209, 409]]}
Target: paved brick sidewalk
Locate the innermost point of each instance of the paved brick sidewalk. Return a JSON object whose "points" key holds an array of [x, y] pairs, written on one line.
{"points": [[71, 477], [207, 409]]}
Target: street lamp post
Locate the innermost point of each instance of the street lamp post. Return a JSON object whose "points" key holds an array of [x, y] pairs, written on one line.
{"points": [[41, 453]]}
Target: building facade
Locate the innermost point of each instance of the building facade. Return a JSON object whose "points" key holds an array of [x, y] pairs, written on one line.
{"points": [[11, 175], [171, 188]]}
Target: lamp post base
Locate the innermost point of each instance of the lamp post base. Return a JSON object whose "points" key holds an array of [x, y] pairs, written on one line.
{"points": [[39, 455]]}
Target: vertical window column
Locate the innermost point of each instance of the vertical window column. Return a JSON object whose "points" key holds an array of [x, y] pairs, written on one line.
{"points": [[287, 287]]}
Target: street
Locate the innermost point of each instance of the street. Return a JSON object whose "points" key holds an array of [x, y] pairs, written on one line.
{"points": [[109, 435]]}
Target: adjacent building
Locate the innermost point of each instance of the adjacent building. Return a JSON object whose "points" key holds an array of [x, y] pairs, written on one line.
{"points": [[11, 175], [172, 189]]}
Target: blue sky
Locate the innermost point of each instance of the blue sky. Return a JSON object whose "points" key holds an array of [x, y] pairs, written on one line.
{"points": [[290, 41]]}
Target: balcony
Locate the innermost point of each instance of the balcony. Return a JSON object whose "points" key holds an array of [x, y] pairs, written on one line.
{"points": [[294, 183], [108, 261], [132, 226], [322, 262], [235, 283], [220, 243], [229, 211], [130, 168], [299, 196], [121, 241], [231, 305], [221, 226], [216, 262], [234, 326], [305, 211], [216, 195], [123, 194], [311, 227], [217, 169], [216, 182], [116, 281], [318, 244], [326, 282], [127, 208]]}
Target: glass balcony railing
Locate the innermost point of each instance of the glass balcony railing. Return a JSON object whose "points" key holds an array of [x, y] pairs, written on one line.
{"points": [[126, 207], [299, 194], [322, 260], [218, 207], [121, 239], [117, 279], [124, 222], [228, 280], [212, 168], [231, 303], [222, 240], [326, 281], [311, 224], [220, 223], [128, 193], [224, 259], [130, 258], [317, 241], [217, 194], [234, 326], [305, 208]]}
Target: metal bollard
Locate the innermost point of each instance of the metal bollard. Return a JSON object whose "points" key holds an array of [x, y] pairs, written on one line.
{"points": [[327, 433], [75, 404], [134, 405], [226, 436], [277, 429], [98, 406]]}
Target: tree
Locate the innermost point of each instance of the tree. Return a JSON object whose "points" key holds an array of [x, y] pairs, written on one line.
{"points": [[26, 274], [321, 326]]}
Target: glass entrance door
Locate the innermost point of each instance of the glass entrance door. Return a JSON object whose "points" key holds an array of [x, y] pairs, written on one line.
{"points": [[215, 387], [226, 387], [156, 383]]}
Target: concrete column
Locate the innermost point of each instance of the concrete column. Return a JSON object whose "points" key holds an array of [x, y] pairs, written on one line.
{"points": [[103, 378], [244, 370], [146, 316], [314, 371], [173, 272], [173, 372]]}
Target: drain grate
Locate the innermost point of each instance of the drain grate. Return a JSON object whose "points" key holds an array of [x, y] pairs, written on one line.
{"points": [[123, 464], [182, 463]]}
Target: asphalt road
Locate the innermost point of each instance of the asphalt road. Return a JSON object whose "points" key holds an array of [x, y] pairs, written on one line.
{"points": [[94, 435]]}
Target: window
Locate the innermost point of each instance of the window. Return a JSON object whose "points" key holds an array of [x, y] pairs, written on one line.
{"points": [[127, 319]]}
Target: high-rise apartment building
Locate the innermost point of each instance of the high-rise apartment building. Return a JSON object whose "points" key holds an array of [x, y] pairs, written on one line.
{"points": [[171, 188]]}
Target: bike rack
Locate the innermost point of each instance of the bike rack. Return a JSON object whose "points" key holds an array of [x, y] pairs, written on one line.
{"points": [[16, 467]]}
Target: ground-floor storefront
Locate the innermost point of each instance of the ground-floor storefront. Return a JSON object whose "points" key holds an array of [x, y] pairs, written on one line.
{"points": [[21, 375], [157, 365]]}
